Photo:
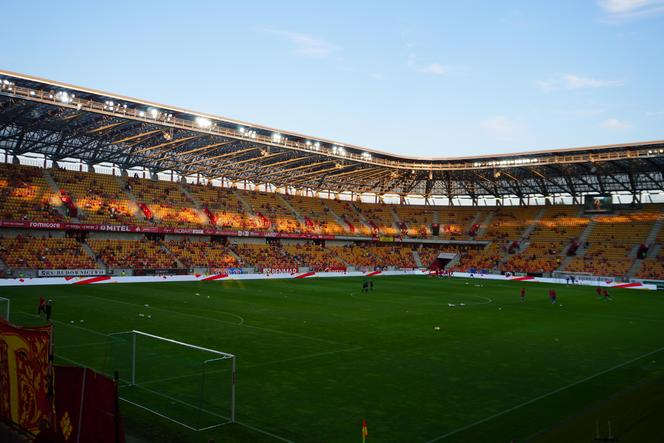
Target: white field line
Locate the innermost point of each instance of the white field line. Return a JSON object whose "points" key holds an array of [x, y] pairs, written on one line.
{"points": [[71, 325], [293, 334], [540, 397]]}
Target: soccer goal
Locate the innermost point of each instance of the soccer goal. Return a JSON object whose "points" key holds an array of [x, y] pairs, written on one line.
{"points": [[4, 308], [184, 383]]}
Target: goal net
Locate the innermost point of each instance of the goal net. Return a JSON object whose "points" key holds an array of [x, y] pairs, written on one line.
{"points": [[4, 308], [184, 383]]}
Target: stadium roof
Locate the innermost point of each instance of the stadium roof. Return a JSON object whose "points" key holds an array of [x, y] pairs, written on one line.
{"points": [[66, 121]]}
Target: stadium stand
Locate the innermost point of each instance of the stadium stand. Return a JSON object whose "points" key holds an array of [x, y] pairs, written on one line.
{"points": [[214, 255], [134, 254], [264, 256], [99, 198], [610, 245], [24, 252], [25, 195], [315, 257], [165, 204]]}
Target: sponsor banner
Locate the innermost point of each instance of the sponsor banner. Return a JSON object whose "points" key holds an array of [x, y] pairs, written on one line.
{"points": [[279, 270], [69, 272], [155, 230], [201, 277]]}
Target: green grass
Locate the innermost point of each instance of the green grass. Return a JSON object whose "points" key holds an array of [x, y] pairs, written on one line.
{"points": [[316, 356]]}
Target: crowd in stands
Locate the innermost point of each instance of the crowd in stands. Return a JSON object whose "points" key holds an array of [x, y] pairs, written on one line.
{"points": [[24, 252], [99, 198], [521, 240], [203, 254], [26, 196], [316, 257], [167, 203], [264, 256], [134, 254]]}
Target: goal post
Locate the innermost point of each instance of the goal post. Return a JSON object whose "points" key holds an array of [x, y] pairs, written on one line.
{"points": [[5, 304], [187, 384]]}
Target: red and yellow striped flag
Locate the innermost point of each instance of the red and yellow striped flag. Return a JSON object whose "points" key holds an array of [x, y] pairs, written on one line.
{"points": [[365, 431]]}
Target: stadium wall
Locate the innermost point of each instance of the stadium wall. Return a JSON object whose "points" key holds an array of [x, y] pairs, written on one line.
{"points": [[216, 277]]}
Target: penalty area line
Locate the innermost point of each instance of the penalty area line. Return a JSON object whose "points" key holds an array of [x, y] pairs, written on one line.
{"points": [[540, 397]]}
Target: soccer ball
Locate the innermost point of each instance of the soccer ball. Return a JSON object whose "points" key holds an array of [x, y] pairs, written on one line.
{"points": [[437, 328]]}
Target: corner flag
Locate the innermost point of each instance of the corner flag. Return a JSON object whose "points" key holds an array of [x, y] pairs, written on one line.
{"points": [[365, 432]]}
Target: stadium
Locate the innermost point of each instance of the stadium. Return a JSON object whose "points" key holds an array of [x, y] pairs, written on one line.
{"points": [[199, 278]]}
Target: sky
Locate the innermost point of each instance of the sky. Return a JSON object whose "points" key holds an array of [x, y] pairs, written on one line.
{"points": [[441, 78]]}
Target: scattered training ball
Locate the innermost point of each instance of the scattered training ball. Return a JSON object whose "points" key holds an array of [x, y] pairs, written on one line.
{"points": [[500, 309], [437, 328], [71, 321], [149, 316], [147, 305], [141, 315], [208, 296], [197, 293], [81, 321]]}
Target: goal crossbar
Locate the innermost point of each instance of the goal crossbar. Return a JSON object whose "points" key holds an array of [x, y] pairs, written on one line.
{"points": [[180, 343]]}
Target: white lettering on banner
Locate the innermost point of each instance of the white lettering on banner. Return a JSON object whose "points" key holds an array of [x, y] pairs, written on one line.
{"points": [[279, 270], [114, 228], [69, 272], [44, 225]]}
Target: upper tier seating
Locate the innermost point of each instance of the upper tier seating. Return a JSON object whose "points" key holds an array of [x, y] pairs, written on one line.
{"points": [[25, 195], [99, 198], [168, 205], [317, 216]]}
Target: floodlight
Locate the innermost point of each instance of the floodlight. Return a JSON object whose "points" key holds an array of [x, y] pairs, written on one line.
{"points": [[203, 122]]}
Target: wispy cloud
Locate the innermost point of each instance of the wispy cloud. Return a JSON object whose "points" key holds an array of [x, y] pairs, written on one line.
{"points": [[573, 81], [436, 69], [613, 124], [305, 45], [582, 112], [505, 128], [622, 10]]}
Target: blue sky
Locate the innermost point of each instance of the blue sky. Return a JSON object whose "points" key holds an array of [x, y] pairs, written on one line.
{"points": [[439, 78]]}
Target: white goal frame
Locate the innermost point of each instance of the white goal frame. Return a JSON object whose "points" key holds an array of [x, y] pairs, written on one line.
{"points": [[8, 307], [221, 356]]}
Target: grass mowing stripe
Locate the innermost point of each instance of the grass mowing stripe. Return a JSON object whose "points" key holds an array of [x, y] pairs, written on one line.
{"points": [[540, 397], [245, 325], [258, 365]]}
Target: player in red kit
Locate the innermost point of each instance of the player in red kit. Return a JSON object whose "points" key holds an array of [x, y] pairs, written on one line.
{"points": [[553, 296], [42, 305], [598, 290], [523, 295], [606, 295]]}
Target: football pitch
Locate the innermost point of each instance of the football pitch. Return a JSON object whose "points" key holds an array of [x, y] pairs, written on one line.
{"points": [[421, 359]]}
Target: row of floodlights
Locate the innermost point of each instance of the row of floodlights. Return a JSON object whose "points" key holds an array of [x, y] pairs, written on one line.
{"points": [[655, 151], [202, 122], [6, 85], [517, 161]]}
